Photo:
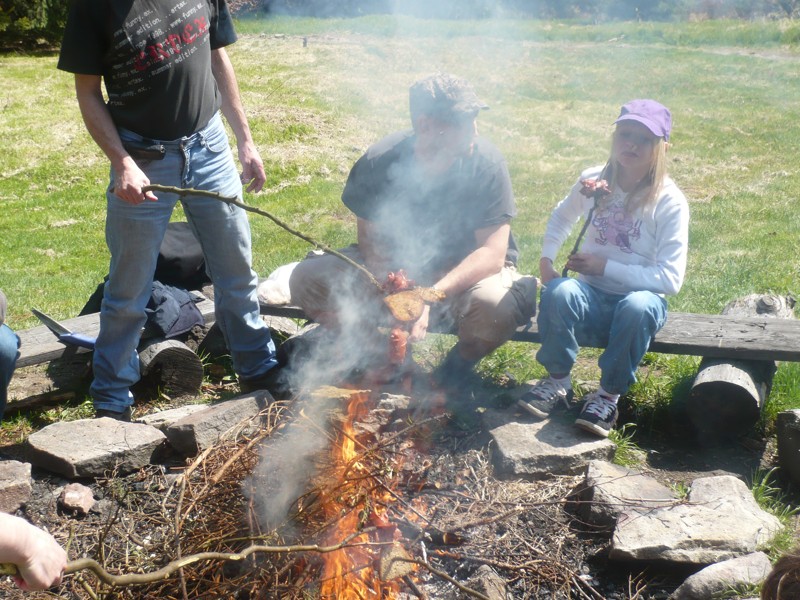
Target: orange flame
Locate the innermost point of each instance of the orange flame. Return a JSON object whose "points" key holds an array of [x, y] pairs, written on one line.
{"points": [[349, 573]]}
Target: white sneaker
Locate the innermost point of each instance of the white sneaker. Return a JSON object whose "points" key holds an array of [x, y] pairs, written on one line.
{"points": [[544, 396]]}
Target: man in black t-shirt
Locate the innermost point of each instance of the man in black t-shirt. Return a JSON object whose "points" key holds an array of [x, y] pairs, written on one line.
{"points": [[167, 75], [436, 202]]}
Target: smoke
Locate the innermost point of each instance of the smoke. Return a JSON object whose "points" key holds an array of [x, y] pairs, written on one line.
{"points": [[289, 461]]}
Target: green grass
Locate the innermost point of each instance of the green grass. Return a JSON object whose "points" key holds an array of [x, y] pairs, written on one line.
{"points": [[771, 498], [554, 89]]}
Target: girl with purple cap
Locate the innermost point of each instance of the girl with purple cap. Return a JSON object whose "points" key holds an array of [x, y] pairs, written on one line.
{"points": [[631, 254]]}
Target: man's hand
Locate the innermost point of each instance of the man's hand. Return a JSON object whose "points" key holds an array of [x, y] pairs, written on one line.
{"points": [[129, 181], [586, 264], [253, 174], [420, 328]]}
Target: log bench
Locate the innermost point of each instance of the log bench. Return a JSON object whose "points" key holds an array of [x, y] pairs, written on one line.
{"points": [[692, 334], [735, 376]]}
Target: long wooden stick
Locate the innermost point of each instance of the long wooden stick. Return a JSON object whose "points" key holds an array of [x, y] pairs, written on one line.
{"points": [[263, 213]]}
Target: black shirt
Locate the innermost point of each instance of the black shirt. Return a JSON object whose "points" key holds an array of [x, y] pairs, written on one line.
{"points": [[428, 223], [154, 57]]}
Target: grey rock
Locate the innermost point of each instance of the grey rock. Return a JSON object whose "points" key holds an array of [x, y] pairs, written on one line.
{"points": [[546, 448], [751, 569], [203, 429], [609, 489], [15, 485], [487, 582], [94, 447], [720, 521], [77, 497], [163, 419]]}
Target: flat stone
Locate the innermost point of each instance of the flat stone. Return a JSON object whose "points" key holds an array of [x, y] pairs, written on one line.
{"points": [[609, 489], [545, 448], [202, 429], [77, 497], [720, 521], [15, 485], [94, 447], [751, 569], [163, 419]]}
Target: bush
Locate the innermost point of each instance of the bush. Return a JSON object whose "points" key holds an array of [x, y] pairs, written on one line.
{"points": [[32, 23]]}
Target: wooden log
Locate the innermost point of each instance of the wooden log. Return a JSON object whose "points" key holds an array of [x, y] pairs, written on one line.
{"points": [[169, 366], [728, 394]]}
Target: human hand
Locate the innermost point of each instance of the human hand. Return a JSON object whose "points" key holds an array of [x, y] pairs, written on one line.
{"points": [[547, 271], [129, 181], [39, 559], [586, 264], [420, 327], [253, 174]]}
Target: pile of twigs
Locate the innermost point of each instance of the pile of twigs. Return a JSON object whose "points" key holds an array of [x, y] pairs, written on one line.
{"points": [[197, 535]]}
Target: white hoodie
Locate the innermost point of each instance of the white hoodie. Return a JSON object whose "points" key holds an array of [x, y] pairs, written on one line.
{"points": [[643, 251]]}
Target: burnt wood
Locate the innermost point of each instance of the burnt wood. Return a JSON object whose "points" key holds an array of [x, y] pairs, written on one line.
{"points": [[716, 336], [39, 344]]}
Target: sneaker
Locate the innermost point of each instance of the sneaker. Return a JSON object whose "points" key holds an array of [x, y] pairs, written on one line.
{"points": [[543, 397], [275, 381], [125, 415], [598, 415]]}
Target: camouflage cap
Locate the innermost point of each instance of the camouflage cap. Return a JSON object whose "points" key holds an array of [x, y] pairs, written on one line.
{"points": [[445, 97]]}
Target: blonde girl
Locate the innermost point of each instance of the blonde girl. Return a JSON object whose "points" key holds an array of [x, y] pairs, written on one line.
{"points": [[630, 255]]}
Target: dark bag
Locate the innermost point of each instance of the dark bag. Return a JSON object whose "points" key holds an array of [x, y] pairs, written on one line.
{"points": [[180, 259], [180, 264]]}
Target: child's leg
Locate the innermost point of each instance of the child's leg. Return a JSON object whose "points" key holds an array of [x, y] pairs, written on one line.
{"points": [[568, 308], [637, 318]]}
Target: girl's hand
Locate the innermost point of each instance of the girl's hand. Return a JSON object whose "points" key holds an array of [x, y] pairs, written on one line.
{"points": [[586, 264], [547, 271]]}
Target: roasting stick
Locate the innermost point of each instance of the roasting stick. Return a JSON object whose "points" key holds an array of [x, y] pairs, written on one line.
{"points": [[395, 302], [263, 213]]}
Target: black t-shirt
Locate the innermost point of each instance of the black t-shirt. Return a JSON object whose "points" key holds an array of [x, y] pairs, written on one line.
{"points": [[154, 57], [428, 224]]}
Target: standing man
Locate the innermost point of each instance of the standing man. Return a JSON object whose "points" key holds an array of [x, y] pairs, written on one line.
{"points": [[435, 201], [167, 75], [9, 352]]}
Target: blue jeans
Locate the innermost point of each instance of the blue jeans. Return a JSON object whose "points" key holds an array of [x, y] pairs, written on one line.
{"points": [[9, 353], [134, 233], [573, 313]]}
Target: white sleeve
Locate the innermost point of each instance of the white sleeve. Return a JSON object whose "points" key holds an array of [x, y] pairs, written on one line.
{"points": [[565, 215]]}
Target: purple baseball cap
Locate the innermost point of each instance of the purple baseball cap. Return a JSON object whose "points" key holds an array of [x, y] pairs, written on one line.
{"points": [[656, 117]]}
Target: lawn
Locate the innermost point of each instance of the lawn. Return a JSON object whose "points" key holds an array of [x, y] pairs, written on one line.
{"points": [[319, 92]]}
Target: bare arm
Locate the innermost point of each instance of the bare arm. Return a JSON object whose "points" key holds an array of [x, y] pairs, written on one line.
{"points": [[129, 178], [487, 259], [38, 557], [250, 159]]}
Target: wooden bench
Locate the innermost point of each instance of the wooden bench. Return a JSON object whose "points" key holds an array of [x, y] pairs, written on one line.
{"points": [[712, 336]]}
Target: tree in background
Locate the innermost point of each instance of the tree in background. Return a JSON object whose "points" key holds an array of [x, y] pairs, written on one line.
{"points": [[32, 23]]}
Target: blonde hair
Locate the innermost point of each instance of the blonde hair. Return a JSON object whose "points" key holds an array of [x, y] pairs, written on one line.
{"points": [[645, 196]]}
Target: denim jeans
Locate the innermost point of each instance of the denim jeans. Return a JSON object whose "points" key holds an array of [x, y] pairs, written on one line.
{"points": [[573, 313], [9, 353], [134, 233]]}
